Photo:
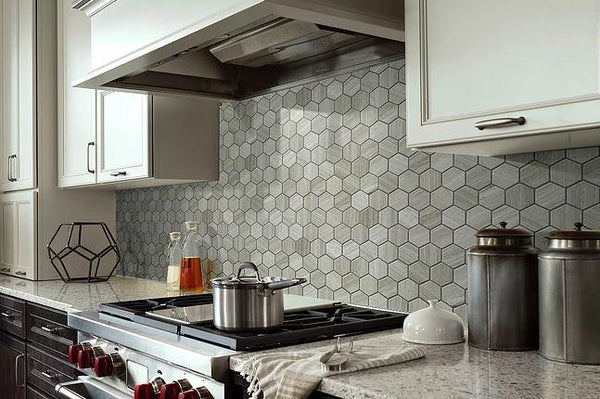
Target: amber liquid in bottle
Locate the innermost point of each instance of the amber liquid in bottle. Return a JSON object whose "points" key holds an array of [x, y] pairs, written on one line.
{"points": [[191, 274]]}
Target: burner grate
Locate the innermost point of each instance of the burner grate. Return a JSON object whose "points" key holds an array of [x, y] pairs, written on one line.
{"points": [[298, 326]]}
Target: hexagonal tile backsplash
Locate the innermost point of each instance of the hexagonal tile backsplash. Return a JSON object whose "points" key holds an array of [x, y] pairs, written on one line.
{"points": [[316, 182]]}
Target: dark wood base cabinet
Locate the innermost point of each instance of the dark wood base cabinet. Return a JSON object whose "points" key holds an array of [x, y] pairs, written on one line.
{"points": [[12, 367], [33, 347]]}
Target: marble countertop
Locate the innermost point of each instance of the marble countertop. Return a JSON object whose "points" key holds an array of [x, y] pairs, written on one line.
{"points": [[82, 296], [457, 371]]}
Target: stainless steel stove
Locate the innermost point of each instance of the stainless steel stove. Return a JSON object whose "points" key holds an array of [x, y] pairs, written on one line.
{"points": [[157, 348]]}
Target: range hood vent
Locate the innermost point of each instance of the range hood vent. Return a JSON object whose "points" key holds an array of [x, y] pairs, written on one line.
{"points": [[264, 52]]}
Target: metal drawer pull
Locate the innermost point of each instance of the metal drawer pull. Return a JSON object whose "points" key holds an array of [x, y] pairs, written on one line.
{"points": [[8, 177], [11, 169], [90, 144], [5, 269], [51, 377], [499, 122], [119, 173], [52, 330], [20, 273], [17, 382], [7, 315]]}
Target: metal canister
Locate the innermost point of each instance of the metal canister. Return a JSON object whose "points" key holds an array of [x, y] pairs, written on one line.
{"points": [[503, 290], [569, 280]]}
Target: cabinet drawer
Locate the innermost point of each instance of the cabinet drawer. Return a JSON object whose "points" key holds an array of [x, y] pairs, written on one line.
{"points": [[48, 327], [33, 393], [12, 316], [44, 370]]}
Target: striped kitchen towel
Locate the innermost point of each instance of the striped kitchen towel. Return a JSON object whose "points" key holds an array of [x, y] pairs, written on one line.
{"points": [[294, 375]]}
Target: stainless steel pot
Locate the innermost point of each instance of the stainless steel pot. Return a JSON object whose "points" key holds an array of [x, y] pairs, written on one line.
{"points": [[503, 290], [569, 296], [243, 303]]}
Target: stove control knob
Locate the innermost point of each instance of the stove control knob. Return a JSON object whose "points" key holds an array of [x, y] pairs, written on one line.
{"points": [[75, 349], [144, 391], [73, 352], [107, 365], [196, 393], [149, 390], [85, 358], [103, 366], [173, 389]]}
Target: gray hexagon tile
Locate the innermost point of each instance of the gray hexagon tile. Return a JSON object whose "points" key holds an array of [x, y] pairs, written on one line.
{"points": [[316, 182]]}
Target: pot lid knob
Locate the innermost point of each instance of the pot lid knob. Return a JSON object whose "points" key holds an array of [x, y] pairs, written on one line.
{"points": [[503, 225], [578, 226]]}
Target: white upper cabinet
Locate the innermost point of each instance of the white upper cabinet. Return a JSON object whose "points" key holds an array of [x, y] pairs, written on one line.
{"points": [[123, 134], [119, 139], [519, 72], [76, 107], [18, 96]]}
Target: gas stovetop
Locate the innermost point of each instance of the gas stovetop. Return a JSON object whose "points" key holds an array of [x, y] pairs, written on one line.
{"points": [[191, 316]]}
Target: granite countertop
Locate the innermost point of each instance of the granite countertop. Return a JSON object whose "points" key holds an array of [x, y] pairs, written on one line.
{"points": [[82, 296], [457, 371]]}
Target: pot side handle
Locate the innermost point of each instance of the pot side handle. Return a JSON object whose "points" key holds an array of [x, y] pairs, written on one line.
{"points": [[279, 285]]}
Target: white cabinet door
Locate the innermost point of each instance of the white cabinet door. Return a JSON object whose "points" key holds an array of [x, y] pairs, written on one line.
{"points": [[76, 115], [124, 136], [470, 61], [18, 122], [18, 226]]}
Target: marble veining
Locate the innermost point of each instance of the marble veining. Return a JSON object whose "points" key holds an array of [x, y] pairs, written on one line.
{"points": [[82, 296], [457, 371]]}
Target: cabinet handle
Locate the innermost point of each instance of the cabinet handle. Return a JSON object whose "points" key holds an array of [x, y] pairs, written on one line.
{"points": [[8, 177], [119, 173], [52, 330], [5, 269], [20, 273], [48, 374], [12, 170], [90, 144], [17, 382], [499, 122], [7, 315]]}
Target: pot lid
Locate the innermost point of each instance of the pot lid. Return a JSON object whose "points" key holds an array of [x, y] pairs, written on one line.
{"points": [[575, 234], [503, 232]]}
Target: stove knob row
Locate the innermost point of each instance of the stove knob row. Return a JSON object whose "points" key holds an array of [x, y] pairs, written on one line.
{"points": [[180, 389]]}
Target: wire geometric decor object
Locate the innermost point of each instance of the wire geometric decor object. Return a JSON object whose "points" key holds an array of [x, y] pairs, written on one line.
{"points": [[83, 252]]}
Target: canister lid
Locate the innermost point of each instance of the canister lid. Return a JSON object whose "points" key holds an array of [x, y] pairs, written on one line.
{"points": [[503, 232], [575, 234]]}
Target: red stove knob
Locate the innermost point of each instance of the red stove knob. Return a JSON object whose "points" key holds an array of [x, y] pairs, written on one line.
{"points": [[149, 390], [103, 366], [170, 391], [85, 358], [189, 395], [144, 391], [196, 393], [73, 352]]}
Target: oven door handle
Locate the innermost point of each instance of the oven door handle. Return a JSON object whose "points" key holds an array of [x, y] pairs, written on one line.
{"points": [[88, 388]]}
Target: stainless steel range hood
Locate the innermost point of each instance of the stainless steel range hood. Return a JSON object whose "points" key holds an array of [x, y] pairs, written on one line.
{"points": [[255, 46]]}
